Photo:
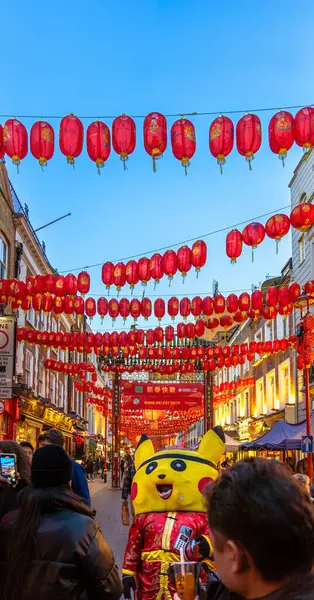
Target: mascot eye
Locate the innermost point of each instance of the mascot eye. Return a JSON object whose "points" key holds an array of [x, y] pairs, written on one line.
{"points": [[151, 467], [178, 465]]}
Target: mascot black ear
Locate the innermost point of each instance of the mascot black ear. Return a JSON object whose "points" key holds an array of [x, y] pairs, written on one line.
{"points": [[144, 451], [213, 444]]}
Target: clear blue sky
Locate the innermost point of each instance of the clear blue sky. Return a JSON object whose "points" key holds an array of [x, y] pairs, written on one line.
{"points": [[105, 58]]}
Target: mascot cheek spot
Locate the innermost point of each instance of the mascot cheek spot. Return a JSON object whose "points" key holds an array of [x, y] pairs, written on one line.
{"points": [[203, 483], [133, 491]]}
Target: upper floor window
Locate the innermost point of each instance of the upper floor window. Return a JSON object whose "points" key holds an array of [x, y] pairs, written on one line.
{"points": [[302, 198], [3, 259], [301, 244], [29, 369]]}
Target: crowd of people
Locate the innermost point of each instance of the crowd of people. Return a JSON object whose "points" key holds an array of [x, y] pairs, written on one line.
{"points": [[261, 520]]}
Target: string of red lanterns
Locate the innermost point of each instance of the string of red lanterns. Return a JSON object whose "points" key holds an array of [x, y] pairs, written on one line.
{"points": [[277, 226], [284, 130]]}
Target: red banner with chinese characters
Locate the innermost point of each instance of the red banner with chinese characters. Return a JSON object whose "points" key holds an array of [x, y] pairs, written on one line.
{"points": [[161, 396]]}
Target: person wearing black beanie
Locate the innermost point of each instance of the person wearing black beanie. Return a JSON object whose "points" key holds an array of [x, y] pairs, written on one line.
{"points": [[51, 547]]}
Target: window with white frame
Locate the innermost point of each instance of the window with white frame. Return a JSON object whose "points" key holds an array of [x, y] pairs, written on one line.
{"points": [[301, 246], [259, 397], [31, 316], [246, 403], [61, 394], [29, 361], [283, 326], [41, 379], [302, 198], [3, 259], [54, 325], [52, 387], [269, 331], [238, 406], [284, 384], [259, 336], [270, 391]]}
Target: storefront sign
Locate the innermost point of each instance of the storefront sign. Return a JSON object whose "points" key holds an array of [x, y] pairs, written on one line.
{"points": [[7, 349], [161, 396], [33, 408]]}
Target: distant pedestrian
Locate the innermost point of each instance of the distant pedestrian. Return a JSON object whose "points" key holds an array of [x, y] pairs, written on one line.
{"points": [[127, 483], [29, 449], [90, 465], [122, 463], [9, 493], [79, 481], [51, 548], [262, 527]]}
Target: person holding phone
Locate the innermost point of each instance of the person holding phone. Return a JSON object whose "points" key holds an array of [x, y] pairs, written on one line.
{"points": [[11, 486], [51, 547]]}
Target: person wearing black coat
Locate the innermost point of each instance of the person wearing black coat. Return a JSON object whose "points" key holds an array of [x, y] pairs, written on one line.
{"points": [[50, 547], [9, 493]]}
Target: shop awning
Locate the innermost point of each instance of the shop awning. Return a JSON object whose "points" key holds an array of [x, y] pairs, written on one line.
{"points": [[294, 443], [276, 438]]}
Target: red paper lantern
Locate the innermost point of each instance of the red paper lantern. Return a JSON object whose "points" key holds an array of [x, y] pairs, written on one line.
{"points": [[244, 301], [226, 321], [269, 312], [68, 305], [308, 323], [156, 267], [221, 138], [309, 288], [208, 306], [212, 323], [185, 307], [102, 307], [42, 142], [70, 285], [90, 307], [277, 227], [249, 136], [252, 235], [60, 288], [144, 271], [39, 284], [159, 335], [113, 309], [257, 300], [239, 316], [184, 260], [190, 330], [199, 328], [159, 309], [173, 307], [146, 308], [281, 134], [98, 143], [219, 304], [123, 137], [197, 306], [294, 291], [170, 264], [124, 308], [119, 275], [149, 337], [183, 141], [232, 303], [198, 255], [181, 331], [284, 297], [271, 296], [71, 137], [57, 305], [132, 337], [302, 216], [107, 274], [131, 272], [300, 363], [304, 128], [155, 135], [15, 140], [234, 245], [114, 339], [135, 308], [78, 306], [83, 283]]}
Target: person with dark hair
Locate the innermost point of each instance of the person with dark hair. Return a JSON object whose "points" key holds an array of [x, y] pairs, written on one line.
{"points": [[79, 480], [127, 482], [9, 493], [28, 449], [50, 547], [262, 526]]}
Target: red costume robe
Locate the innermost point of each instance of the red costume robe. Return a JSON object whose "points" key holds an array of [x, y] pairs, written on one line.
{"points": [[150, 550]]}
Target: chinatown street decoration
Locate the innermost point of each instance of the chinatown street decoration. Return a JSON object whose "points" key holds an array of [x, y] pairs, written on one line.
{"points": [[234, 244], [98, 143], [15, 141], [221, 138], [304, 128], [155, 136], [281, 134], [124, 137], [71, 137], [249, 137], [277, 227], [252, 235], [183, 141], [2, 149], [42, 142]]}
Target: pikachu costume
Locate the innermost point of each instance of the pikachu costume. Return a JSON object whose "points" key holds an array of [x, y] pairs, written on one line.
{"points": [[167, 495]]}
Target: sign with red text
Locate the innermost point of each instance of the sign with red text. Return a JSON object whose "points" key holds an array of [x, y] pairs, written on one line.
{"points": [[161, 396]]}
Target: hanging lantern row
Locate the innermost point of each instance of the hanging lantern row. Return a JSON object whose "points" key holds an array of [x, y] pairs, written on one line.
{"points": [[90, 388], [60, 366], [155, 267], [277, 226], [229, 389], [58, 285], [283, 131], [305, 345]]}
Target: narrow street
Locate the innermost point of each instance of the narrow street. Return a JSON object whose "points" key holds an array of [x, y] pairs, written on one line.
{"points": [[107, 503]]}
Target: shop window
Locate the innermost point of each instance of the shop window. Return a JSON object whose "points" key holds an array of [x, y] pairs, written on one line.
{"points": [[301, 245], [61, 394], [3, 259], [259, 397], [29, 359], [52, 387]]}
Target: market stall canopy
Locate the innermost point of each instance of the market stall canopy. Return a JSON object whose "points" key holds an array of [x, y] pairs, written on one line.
{"points": [[295, 442], [276, 438]]}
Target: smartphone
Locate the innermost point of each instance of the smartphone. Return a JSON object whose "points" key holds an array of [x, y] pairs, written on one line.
{"points": [[8, 467]]}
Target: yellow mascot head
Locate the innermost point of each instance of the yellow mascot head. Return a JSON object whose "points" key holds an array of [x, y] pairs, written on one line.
{"points": [[174, 480]]}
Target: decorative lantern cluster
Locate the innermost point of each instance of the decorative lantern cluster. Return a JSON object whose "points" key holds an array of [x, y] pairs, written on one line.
{"points": [[277, 226], [305, 345], [283, 131], [229, 389], [155, 267]]}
